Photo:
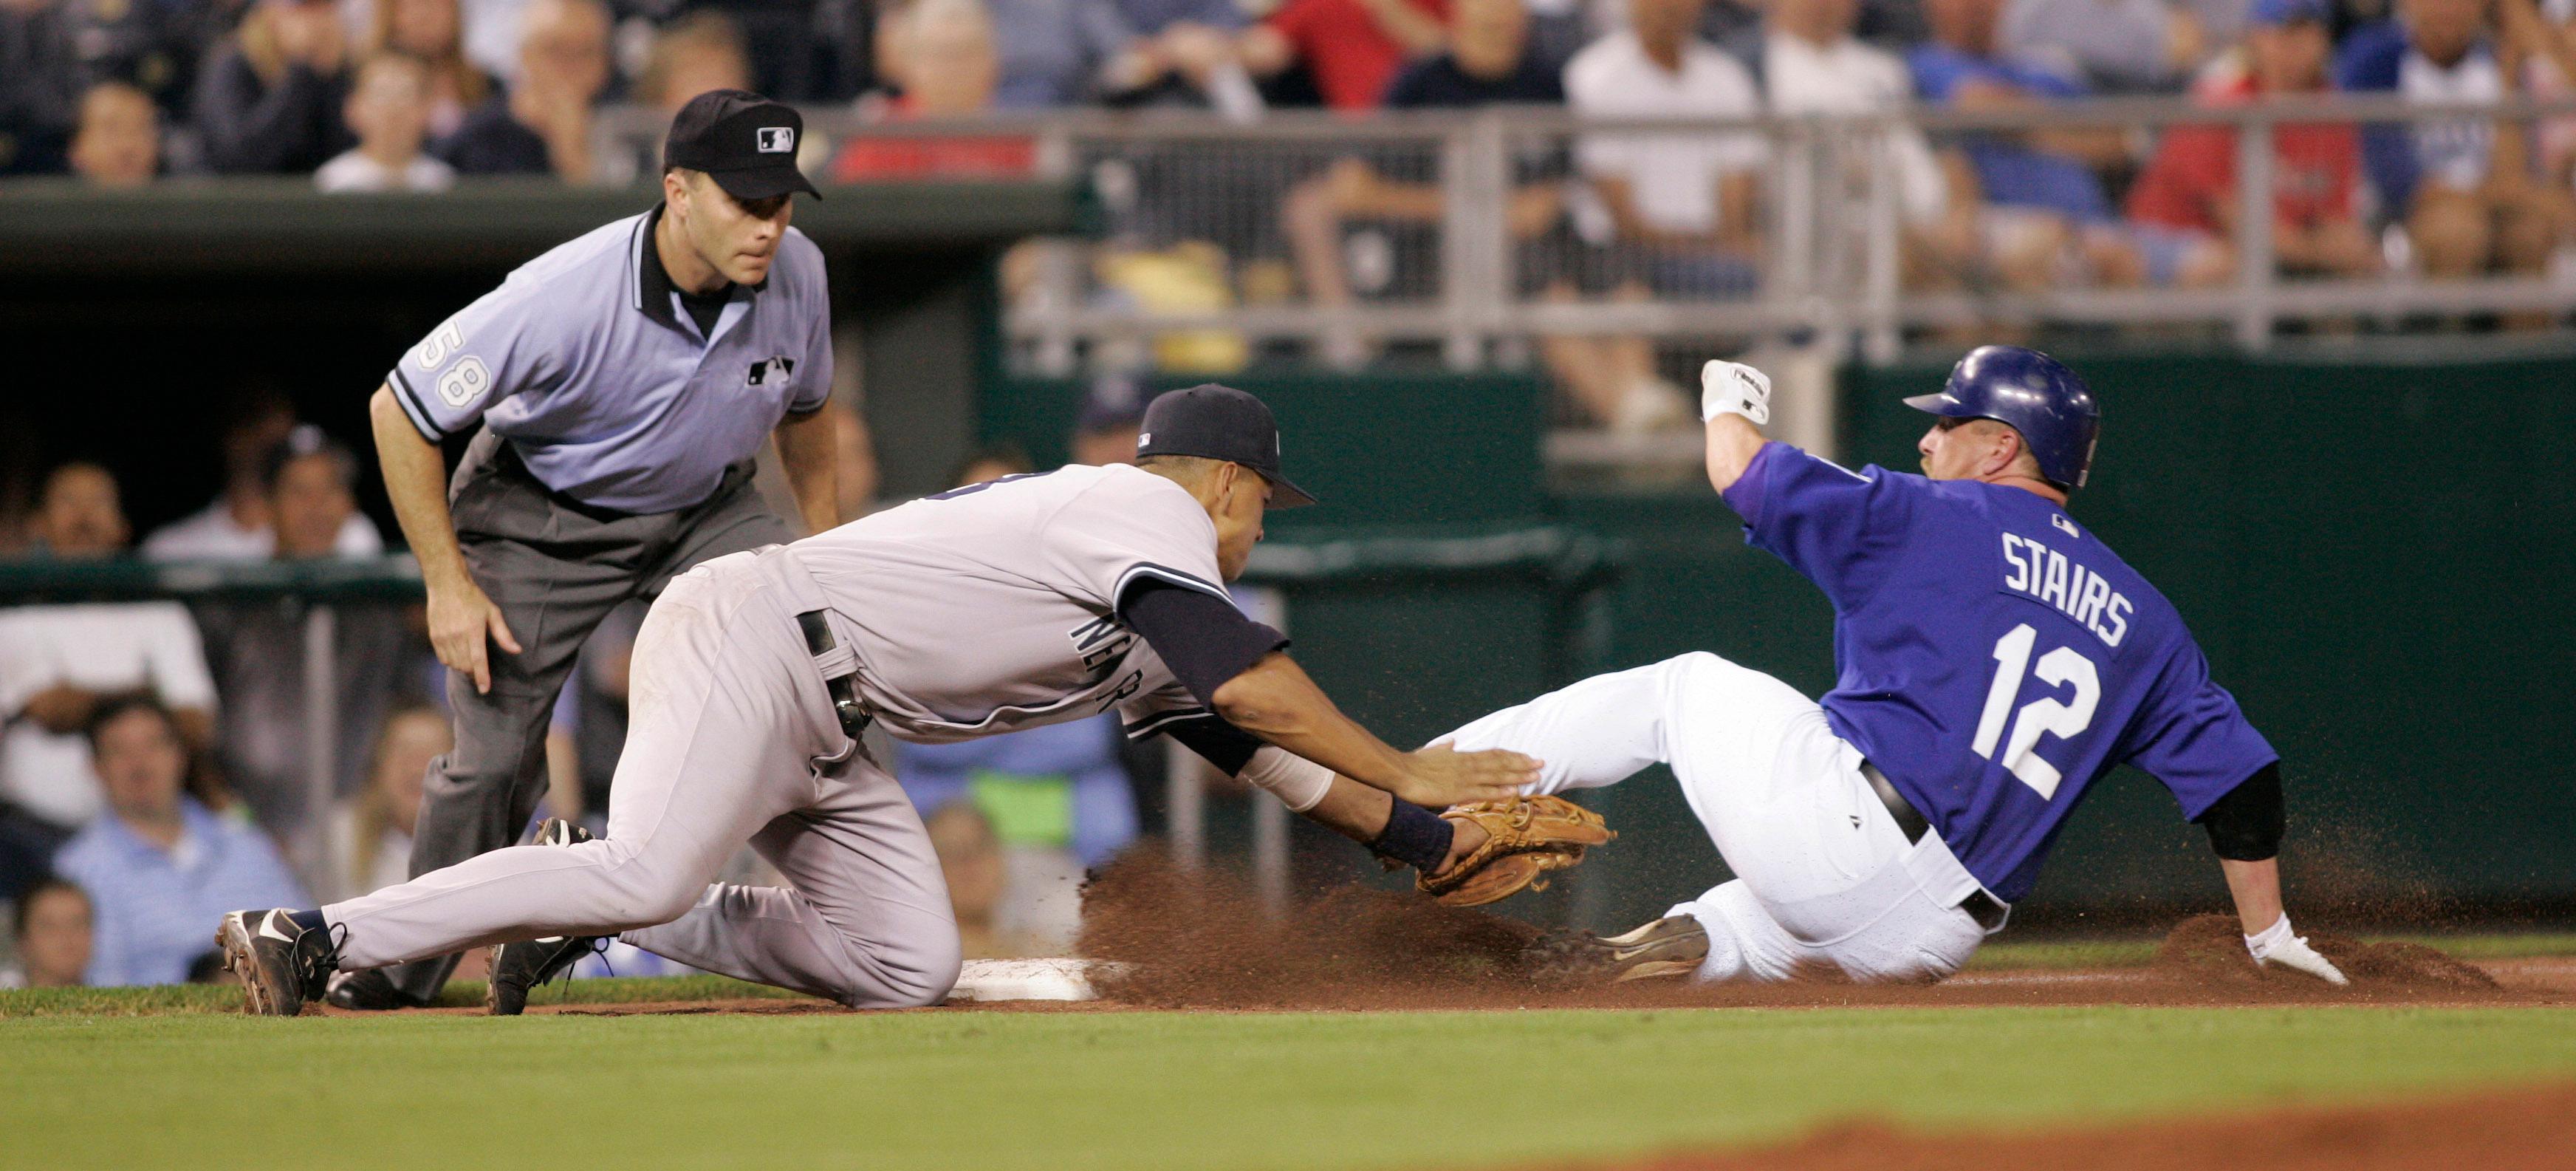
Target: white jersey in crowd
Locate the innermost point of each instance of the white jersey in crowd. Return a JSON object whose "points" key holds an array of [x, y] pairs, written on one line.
{"points": [[991, 608], [98, 647], [210, 534], [1672, 177], [1849, 77], [2455, 155]]}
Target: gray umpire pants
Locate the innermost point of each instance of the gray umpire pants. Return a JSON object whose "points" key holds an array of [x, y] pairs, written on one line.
{"points": [[555, 568], [733, 740]]}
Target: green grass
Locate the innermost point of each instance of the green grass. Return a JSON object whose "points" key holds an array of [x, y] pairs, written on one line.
{"points": [[1073, 1091], [202, 998]]}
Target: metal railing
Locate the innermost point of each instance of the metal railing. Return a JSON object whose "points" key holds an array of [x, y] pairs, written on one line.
{"points": [[1830, 228]]}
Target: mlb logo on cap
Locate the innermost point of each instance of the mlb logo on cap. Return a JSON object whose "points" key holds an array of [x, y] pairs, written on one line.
{"points": [[777, 140]]}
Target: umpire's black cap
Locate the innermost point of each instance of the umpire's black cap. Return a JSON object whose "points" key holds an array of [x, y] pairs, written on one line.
{"points": [[743, 141], [1219, 422]]}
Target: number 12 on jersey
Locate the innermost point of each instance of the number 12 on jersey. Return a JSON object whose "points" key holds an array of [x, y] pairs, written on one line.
{"points": [[2043, 716]]}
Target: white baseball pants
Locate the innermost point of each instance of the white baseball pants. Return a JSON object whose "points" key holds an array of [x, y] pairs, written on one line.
{"points": [[732, 739], [1824, 878]]}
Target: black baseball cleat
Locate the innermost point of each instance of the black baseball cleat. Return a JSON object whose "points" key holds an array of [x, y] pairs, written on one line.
{"points": [[369, 991], [1667, 947], [280, 962], [519, 967]]}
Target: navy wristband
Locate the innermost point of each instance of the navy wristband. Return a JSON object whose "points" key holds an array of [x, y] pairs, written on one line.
{"points": [[1415, 836]]}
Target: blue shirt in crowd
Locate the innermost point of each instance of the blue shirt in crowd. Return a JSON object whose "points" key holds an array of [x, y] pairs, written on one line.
{"points": [[2013, 174], [1083, 753], [585, 362], [153, 910], [1995, 657]]}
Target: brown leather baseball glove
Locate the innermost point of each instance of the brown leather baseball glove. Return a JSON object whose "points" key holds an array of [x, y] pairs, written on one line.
{"points": [[1526, 837]]}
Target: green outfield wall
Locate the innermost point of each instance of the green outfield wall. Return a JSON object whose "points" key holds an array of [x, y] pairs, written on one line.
{"points": [[2378, 558]]}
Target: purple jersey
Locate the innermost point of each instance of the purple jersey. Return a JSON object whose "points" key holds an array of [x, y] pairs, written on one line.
{"points": [[1995, 658]]}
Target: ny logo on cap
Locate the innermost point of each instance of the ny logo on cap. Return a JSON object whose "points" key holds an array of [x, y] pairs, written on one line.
{"points": [[778, 140]]}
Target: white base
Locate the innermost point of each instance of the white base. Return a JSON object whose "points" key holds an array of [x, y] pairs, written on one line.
{"points": [[984, 981]]}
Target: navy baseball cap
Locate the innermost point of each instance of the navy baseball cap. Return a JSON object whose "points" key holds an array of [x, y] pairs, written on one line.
{"points": [[2274, 13], [1219, 422], [743, 141]]}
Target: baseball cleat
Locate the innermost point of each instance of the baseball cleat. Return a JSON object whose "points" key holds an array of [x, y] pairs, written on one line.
{"points": [[520, 967], [280, 963], [368, 991], [1667, 947]]}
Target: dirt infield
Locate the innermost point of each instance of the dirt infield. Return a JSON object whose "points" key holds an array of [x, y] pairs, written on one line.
{"points": [[2523, 1130], [1194, 940]]}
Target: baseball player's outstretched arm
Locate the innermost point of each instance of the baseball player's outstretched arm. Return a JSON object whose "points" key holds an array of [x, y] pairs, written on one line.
{"points": [[460, 616], [2245, 829], [1275, 701], [1734, 403]]}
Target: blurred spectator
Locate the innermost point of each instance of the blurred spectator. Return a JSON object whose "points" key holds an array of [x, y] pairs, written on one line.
{"points": [[2184, 209], [235, 526], [119, 140], [389, 108], [1112, 413], [264, 726], [948, 67], [1055, 798], [1188, 53], [2117, 46], [2463, 187], [854, 453], [541, 124], [159, 867], [970, 858], [58, 663], [1812, 64], [432, 32], [696, 53], [49, 930], [40, 84], [1352, 48], [270, 101], [374, 830], [2544, 35], [1668, 215], [1049, 53], [1488, 63], [2027, 204]]}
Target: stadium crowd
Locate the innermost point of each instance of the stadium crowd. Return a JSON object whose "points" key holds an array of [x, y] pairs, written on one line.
{"points": [[153, 768], [377, 95]]}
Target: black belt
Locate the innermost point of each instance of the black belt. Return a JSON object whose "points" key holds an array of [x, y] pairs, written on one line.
{"points": [[1980, 906], [844, 688]]}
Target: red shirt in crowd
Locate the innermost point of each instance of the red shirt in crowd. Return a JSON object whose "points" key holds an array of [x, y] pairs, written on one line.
{"points": [[1353, 59], [990, 156], [2314, 169]]}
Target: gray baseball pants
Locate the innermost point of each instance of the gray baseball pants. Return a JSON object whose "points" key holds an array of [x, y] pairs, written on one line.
{"points": [[733, 739], [555, 569]]}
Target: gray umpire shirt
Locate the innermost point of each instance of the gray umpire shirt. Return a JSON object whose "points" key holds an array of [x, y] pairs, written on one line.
{"points": [[586, 363]]}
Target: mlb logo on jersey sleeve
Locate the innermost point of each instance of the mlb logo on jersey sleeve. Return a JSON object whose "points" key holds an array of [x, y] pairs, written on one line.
{"points": [[778, 140]]}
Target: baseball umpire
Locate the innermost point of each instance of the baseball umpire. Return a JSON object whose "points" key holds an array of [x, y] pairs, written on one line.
{"points": [[1996, 660], [625, 381], [1029, 600]]}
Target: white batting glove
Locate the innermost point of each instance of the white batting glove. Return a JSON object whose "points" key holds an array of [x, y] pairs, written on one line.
{"points": [[1733, 388], [2277, 946]]}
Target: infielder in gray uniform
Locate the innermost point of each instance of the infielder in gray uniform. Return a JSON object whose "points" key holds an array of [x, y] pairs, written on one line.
{"points": [[995, 607], [624, 382]]}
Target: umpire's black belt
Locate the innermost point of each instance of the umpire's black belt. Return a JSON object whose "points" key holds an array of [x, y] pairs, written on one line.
{"points": [[844, 685], [1980, 906]]}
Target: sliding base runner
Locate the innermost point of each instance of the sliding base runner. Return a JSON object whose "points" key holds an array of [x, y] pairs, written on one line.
{"points": [[1996, 658]]}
